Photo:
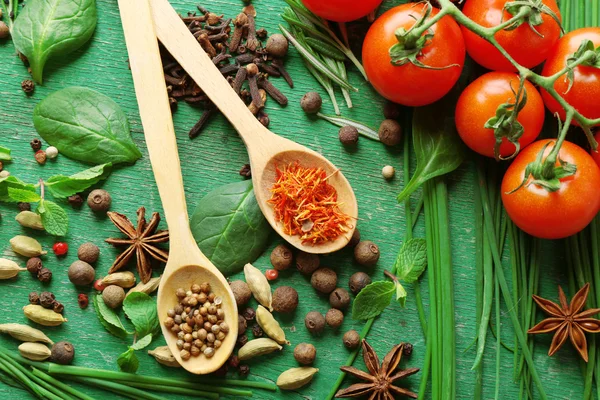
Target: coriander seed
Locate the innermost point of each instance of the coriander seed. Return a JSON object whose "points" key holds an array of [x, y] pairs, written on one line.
{"points": [[311, 102], [351, 339], [99, 200], [334, 318], [366, 253], [281, 257], [390, 132], [388, 172], [348, 135], [305, 353], [358, 281], [314, 322], [324, 280]]}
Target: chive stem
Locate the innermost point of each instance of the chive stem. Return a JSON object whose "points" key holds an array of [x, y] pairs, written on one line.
{"points": [[340, 121]]}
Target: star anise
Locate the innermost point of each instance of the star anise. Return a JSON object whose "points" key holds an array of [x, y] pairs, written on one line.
{"points": [[568, 320], [380, 379], [141, 241]]}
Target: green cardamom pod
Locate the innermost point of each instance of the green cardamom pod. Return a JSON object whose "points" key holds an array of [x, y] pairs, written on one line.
{"points": [[25, 333], [43, 316], [34, 351], [9, 269], [148, 287], [257, 347], [164, 356], [123, 279], [29, 219], [259, 285], [26, 246], [271, 327], [295, 378]]}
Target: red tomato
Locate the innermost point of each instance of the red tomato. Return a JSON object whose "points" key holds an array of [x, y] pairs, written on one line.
{"points": [[341, 10], [596, 153], [527, 47], [585, 92], [478, 103], [553, 215], [408, 84]]}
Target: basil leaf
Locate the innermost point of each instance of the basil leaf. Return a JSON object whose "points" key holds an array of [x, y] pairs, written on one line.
{"points": [[373, 299], [5, 154], [141, 310], [54, 218], [64, 186], [85, 125], [23, 195], [400, 294], [108, 318], [128, 361], [438, 148], [229, 227], [412, 260], [52, 28], [13, 182], [143, 342]]}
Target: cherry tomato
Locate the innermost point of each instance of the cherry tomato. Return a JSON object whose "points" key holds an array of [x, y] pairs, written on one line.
{"points": [[60, 248], [271, 274], [596, 153], [585, 92], [526, 46], [478, 103], [553, 215], [341, 10], [408, 84]]}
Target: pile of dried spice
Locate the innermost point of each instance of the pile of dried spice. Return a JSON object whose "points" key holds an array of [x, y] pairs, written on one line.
{"points": [[307, 205]]}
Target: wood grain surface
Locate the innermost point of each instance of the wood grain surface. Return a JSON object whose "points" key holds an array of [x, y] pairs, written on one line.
{"points": [[213, 159]]}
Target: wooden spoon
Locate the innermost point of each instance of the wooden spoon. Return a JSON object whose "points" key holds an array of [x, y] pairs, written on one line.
{"points": [[186, 265], [266, 149]]}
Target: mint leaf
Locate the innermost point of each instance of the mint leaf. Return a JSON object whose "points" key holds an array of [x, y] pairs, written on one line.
{"points": [[143, 342], [128, 361], [400, 294], [141, 310], [5, 154], [64, 186], [54, 218], [23, 195], [108, 318], [411, 260], [14, 183], [373, 299]]}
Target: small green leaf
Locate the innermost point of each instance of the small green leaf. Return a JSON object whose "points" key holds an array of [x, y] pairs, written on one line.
{"points": [[373, 299], [64, 186], [128, 361], [13, 183], [23, 195], [400, 294], [5, 154], [141, 310], [143, 342], [108, 318], [412, 260], [54, 218]]}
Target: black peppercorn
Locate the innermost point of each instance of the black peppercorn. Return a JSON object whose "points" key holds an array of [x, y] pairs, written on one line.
{"points": [[34, 265], [348, 135], [75, 201], [407, 350], [45, 275], [58, 307], [28, 86], [257, 331], [99, 200], [311, 102], [244, 369], [242, 324], [245, 171], [24, 206], [34, 298], [233, 361], [222, 371], [242, 340], [47, 299], [249, 314], [36, 144], [366, 253], [358, 281], [390, 132]]}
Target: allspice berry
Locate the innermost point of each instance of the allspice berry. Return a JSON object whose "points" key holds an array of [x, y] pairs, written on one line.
{"points": [[334, 318], [113, 296], [34, 265], [324, 280], [99, 200], [62, 353], [355, 239], [314, 322], [277, 45], [81, 273], [358, 281], [241, 292], [281, 257], [88, 252], [351, 339], [4, 31], [390, 132], [391, 110], [305, 353], [285, 299], [348, 135], [307, 263], [339, 298], [366, 253], [311, 102]]}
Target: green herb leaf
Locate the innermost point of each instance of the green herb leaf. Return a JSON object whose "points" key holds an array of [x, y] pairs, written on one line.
{"points": [[23, 195], [143, 342], [229, 227], [141, 310], [412, 260], [85, 125], [64, 186], [13, 182], [373, 299], [128, 361], [5, 154], [400, 294], [52, 28], [54, 218], [438, 148], [108, 318]]}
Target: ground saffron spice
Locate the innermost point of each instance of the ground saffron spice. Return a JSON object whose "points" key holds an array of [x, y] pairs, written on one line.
{"points": [[307, 205]]}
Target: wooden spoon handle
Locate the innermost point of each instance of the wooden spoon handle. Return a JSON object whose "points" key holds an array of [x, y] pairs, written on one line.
{"points": [[183, 46], [155, 112]]}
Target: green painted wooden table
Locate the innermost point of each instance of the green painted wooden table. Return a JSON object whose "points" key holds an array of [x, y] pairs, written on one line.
{"points": [[214, 159]]}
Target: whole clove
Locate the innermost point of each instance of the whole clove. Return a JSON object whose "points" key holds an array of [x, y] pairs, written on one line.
{"points": [[272, 91]]}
